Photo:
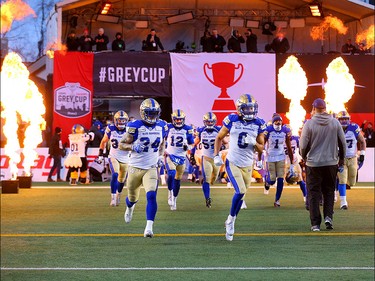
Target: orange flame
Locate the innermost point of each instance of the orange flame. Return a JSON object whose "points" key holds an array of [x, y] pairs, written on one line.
{"points": [[20, 97], [317, 32], [339, 88], [292, 83], [366, 35], [12, 10], [51, 48]]}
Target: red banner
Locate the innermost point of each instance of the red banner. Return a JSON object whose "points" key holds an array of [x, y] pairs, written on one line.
{"points": [[73, 91]]}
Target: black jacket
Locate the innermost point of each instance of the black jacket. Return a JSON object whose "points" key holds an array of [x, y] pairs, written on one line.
{"points": [[153, 46], [54, 147]]}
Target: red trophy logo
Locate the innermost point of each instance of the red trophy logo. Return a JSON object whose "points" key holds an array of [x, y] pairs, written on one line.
{"points": [[223, 74]]}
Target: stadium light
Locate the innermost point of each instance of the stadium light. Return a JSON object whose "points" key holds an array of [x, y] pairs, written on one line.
{"points": [[105, 8], [316, 9], [180, 18]]}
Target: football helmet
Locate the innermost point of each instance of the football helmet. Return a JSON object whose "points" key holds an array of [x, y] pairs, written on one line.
{"points": [[150, 111], [344, 118], [178, 118], [247, 107], [120, 119], [209, 120], [291, 178], [78, 129]]}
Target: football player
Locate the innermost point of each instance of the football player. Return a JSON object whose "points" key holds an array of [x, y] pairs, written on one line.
{"points": [[353, 138], [77, 158], [276, 136], [295, 176], [179, 141], [246, 134], [118, 159], [206, 139], [145, 139]]}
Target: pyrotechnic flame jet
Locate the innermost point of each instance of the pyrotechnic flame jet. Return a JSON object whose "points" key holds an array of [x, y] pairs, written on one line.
{"points": [[323, 83]]}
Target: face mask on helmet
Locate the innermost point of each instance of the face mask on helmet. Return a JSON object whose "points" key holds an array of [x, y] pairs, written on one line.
{"points": [[121, 119], [291, 178], [247, 107], [178, 118], [209, 120], [150, 111], [344, 121]]}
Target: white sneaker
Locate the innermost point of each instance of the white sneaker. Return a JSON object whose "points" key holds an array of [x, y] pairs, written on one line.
{"points": [[129, 214], [265, 191], [118, 199], [229, 229], [243, 206], [170, 197], [148, 233]]}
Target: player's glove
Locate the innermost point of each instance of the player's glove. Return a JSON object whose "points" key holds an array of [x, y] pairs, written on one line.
{"points": [[160, 161], [341, 166], [250, 140], [192, 160], [100, 158], [259, 164], [361, 159], [218, 161], [138, 147], [185, 147]]}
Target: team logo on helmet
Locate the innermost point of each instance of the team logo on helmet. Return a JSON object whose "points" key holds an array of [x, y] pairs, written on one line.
{"points": [[150, 111], [247, 107], [209, 120], [120, 119], [178, 118]]}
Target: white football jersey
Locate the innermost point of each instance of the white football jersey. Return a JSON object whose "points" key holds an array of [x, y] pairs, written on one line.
{"points": [[177, 137], [276, 142], [115, 135], [207, 140], [241, 153]]}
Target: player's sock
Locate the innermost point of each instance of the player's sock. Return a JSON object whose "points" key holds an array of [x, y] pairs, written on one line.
{"points": [[342, 189], [206, 189], [114, 183], [302, 186], [128, 203], [170, 180], [120, 186], [279, 188], [236, 204], [176, 187], [152, 205]]}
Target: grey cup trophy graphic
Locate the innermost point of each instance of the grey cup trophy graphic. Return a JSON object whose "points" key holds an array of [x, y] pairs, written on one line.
{"points": [[223, 77]]}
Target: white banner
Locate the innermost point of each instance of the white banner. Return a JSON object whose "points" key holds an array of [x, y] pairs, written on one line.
{"points": [[212, 82], [42, 165]]}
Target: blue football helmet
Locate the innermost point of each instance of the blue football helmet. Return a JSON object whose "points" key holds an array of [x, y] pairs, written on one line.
{"points": [[291, 178], [209, 120], [120, 119], [178, 118], [247, 107], [150, 111]]}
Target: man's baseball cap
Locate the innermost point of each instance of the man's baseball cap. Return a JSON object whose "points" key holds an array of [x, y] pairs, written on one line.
{"points": [[319, 103]]}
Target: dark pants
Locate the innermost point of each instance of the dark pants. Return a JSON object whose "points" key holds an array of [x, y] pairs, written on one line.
{"points": [[320, 182], [56, 165]]}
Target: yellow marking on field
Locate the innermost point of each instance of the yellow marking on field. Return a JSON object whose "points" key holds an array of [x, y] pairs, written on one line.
{"points": [[321, 233]]}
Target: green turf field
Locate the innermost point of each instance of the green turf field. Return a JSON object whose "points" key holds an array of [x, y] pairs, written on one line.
{"points": [[70, 233]]}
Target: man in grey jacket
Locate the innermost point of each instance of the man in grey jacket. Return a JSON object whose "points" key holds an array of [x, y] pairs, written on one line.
{"points": [[322, 146]]}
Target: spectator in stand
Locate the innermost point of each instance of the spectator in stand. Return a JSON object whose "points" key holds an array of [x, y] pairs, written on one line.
{"points": [[348, 48], [251, 41], [218, 41], [56, 151], [279, 45], [72, 42], [362, 50], [153, 42], [234, 42], [101, 41], [206, 42], [86, 42], [118, 44], [368, 133]]}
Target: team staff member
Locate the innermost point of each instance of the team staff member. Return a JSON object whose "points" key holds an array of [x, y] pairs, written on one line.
{"points": [[322, 146]]}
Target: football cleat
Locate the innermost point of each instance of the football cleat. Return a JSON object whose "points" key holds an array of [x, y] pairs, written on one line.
{"points": [[73, 182], [113, 202], [344, 207], [209, 120], [247, 107], [276, 204], [208, 202], [178, 118], [120, 119], [129, 214], [150, 111], [170, 197], [229, 229], [243, 205], [148, 233]]}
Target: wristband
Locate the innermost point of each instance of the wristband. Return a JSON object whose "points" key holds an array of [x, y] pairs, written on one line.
{"points": [[362, 153]]}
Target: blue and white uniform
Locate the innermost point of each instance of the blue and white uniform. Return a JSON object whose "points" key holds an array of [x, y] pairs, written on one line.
{"points": [[115, 135]]}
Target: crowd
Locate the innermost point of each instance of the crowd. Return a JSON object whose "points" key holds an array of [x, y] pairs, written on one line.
{"points": [[210, 42], [244, 143]]}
